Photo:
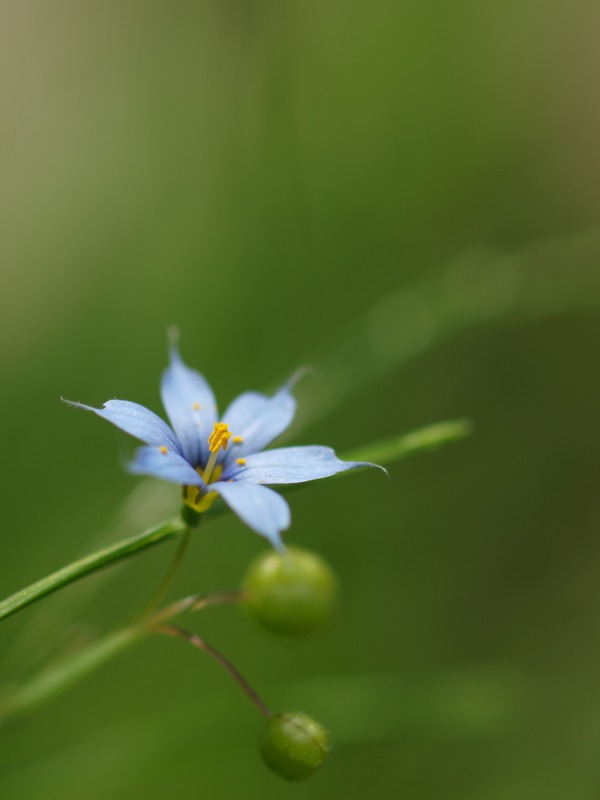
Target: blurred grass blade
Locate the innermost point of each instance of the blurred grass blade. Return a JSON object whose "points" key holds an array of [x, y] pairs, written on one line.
{"points": [[479, 287], [386, 451], [92, 563], [57, 678]]}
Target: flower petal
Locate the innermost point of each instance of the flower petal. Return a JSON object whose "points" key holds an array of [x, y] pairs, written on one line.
{"points": [[136, 420], [243, 410], [169, 466], [190, 403], [262, 509], [291, 465], [258, 420]]}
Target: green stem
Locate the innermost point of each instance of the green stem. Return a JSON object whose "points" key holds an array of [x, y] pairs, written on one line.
{"points": [[88, 564], [154, 600], [385, 451]]}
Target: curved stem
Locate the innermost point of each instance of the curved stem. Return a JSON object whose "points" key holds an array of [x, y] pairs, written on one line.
{"points": [[217, 599], [195, 602], [196, 641]]}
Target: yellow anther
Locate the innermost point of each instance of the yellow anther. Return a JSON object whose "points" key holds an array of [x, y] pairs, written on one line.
{"points": [[237, 440], [196, 406], [217, 440], [164, 450], [241, 462], [219, 437]]}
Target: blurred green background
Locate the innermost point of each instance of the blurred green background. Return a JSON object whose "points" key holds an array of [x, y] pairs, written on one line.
{"points": [[404, 196]]}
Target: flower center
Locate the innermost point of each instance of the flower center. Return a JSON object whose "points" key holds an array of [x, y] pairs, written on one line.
{"points": [[217, 441], [193, 497]]}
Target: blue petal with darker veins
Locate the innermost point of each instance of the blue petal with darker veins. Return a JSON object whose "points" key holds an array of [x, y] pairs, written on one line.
{"points": [[136, 420], [262, 509], [190, 404], [259, 420], [169, 466], [291, 465]]}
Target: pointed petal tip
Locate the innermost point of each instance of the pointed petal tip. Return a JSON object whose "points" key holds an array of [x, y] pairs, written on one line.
{"points": [[77, 404], [299, 375], [173, 336], [278, 544], [174, 354], [275, 538], [376, 466], [85, 406], [366, 465]]}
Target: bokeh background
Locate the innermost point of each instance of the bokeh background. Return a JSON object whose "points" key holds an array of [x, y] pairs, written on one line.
{"points": [[403, 195]]}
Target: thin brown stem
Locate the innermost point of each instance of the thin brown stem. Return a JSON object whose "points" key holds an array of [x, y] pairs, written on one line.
{"points": [[196, 641], [195, 602], [233, 596]]}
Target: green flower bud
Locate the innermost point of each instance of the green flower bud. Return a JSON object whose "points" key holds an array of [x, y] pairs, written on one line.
{"points": [[294, 745], [293, 594]]}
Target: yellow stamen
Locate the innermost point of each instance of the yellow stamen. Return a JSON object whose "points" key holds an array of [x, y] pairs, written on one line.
{"points": [[196, 406], [237, 440], [241, 462], [164, 450], [219, 437], [217, 440]]}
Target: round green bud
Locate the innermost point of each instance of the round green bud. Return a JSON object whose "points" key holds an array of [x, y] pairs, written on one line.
{"points": [[293, 593], [294, 745]]}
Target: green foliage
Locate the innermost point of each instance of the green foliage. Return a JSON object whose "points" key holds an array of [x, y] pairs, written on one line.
{"points": [[403, 197]]}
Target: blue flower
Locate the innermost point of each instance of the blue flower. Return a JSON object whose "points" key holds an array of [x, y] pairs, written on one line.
{"points": [[227, 457]]}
